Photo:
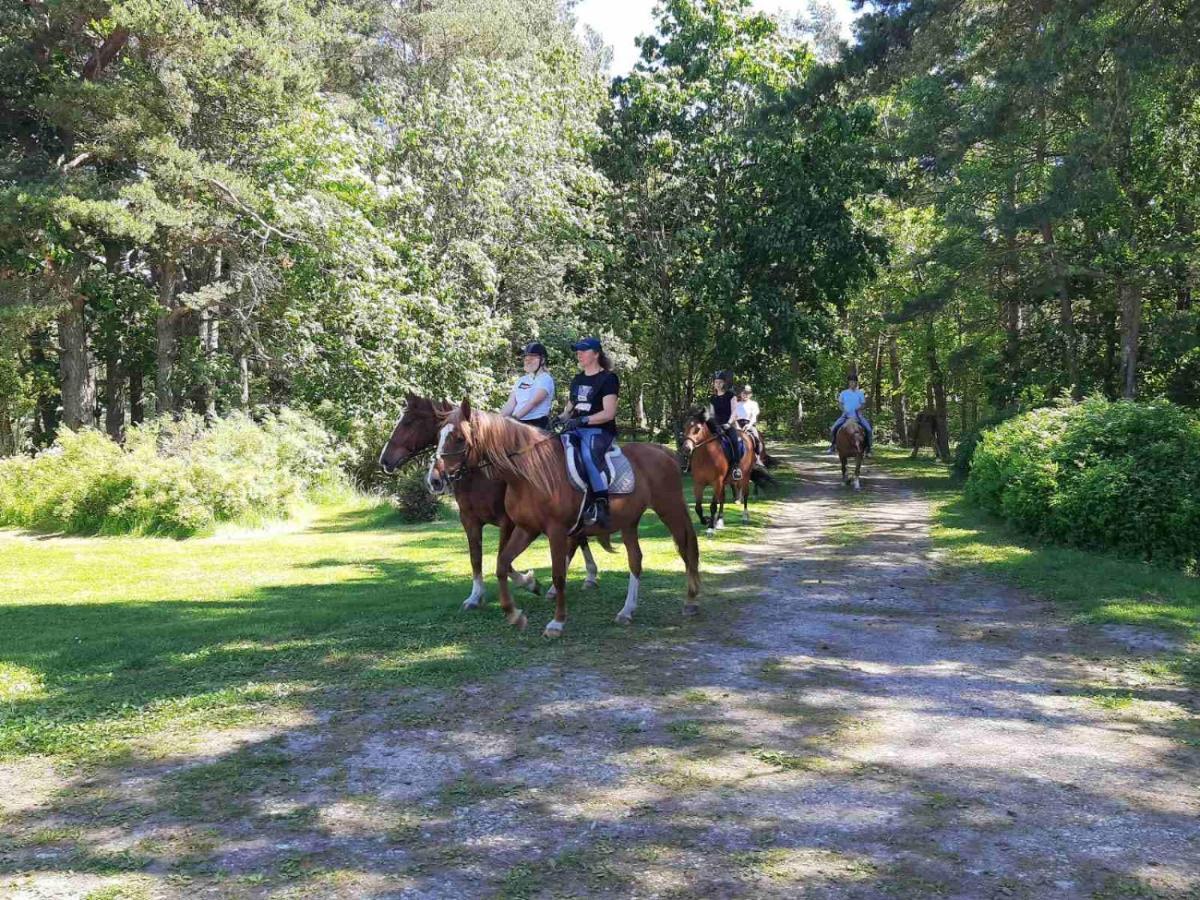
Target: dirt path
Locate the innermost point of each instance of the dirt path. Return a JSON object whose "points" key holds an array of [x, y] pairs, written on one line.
{"points": [[860, 725]]}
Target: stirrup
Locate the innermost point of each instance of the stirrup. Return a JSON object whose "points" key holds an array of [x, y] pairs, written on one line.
{"points": [[737, 473]]}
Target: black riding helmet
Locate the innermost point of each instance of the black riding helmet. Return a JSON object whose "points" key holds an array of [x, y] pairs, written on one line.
{"points": [[535, 348], [724, 375]]}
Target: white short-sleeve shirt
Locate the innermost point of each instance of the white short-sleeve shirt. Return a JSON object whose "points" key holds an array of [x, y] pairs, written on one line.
{"points": [[527, 385], [746, 409]]}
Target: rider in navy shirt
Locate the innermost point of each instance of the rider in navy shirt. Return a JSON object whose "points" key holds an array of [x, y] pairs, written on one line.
{"points": [[591, 414]]}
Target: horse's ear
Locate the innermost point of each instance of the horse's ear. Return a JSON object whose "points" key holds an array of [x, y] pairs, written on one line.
{"points": [[465, 409]]}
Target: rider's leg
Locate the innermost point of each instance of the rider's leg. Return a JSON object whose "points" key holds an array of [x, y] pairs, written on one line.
{"points": [[834, 430], [739, 450], [870, 432], [595, 443]]}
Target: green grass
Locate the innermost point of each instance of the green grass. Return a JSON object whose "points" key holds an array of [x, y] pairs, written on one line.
{"points": [[1096, 588], [107, 642]]}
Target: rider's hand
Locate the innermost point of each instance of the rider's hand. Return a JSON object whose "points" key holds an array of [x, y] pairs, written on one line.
{"points": [[570, 424]]}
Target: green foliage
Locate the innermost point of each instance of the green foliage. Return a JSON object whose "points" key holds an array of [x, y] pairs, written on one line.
{"points": [[172, 478], [1121, 476]]}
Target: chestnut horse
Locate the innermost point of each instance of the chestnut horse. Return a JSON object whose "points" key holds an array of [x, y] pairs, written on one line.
{"points": [[710, 468], [540, 499], [479, 496], [851, 441]]}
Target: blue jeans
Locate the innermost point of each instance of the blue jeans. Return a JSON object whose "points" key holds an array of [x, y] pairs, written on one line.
{"points": [[735, 448], [861, 419], [594, 443]]}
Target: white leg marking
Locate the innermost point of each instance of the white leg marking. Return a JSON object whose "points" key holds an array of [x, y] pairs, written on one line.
{"points": [[710, 532], [476, 599], [721, 524], [625, 616], [857, 485], [552, 593], [553, 629], [589, 561]]}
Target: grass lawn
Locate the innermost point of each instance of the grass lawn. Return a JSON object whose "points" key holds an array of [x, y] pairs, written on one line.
{"points": [[114, 644], [1095, 587]]}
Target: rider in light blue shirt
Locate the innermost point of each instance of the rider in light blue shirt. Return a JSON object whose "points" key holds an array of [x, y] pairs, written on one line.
{"points": [[852, 401]]}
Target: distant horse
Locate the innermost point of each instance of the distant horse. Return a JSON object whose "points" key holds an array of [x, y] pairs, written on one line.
{"points": [[710, 468], [540, 499], [852, 442], [480, 497], [924, 431]]}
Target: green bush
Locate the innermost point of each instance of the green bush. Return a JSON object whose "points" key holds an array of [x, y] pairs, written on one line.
{"points": [[1118, 476], [172, 477]]}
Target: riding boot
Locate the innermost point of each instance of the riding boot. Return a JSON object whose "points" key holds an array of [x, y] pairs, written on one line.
{"points": [[600, 509]]}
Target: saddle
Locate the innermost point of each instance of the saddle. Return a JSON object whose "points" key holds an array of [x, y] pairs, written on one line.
{"points": [[620, 471]]}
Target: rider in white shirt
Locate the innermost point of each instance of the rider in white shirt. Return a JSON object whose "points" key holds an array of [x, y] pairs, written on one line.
{"points": [[533, 394], [745, 411], [852, 401]]}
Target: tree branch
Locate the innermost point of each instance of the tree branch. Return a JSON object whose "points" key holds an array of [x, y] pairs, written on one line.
{"points": [[240, 204]]}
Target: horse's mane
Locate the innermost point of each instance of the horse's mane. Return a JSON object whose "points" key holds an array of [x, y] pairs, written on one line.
{"points": [[515, 447]]}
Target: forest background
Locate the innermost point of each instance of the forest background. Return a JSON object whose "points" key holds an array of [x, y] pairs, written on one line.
{"points": [[981, 207]]}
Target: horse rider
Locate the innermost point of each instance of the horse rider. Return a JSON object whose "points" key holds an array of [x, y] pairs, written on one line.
{"points": [[745, 413], [852, 401], [591, 421], [531, 397], [720, 417]]}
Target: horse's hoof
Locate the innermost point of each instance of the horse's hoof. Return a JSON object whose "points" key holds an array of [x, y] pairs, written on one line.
{"points": [[553, 629], [710, 532], [623, 619], [745, 520], [470, 604], [517, 620], [591, 584], [691, 609], [552, 593], [531, 583], [720, 525]]}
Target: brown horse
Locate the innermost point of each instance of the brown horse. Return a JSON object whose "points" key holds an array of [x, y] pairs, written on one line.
{"points": [[540, 499], [479, 496], [710, 468], [851, 441]]}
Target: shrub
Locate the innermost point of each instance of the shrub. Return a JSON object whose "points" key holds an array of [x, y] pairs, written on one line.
{"points": [[411, 496], [172, 477], [1118, 476]]}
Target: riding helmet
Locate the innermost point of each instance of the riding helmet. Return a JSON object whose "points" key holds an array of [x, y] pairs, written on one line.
{"points": [[534, 349]]}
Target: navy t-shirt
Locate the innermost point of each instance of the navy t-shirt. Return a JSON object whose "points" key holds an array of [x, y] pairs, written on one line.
{"points": [[722, 407], [588, 393]]}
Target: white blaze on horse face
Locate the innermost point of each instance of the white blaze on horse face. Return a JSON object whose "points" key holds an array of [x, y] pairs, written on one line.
{"points": [[437, 456]]}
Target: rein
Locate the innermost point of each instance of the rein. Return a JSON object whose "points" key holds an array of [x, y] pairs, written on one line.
{"points": [[459, 473]]}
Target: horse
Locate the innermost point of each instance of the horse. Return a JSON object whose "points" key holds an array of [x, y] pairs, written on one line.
{"points": [[540, 499], [852, 441], [710, 468], [480, 497]]}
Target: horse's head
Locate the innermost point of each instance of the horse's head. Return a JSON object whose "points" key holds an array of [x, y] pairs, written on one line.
{"points": [[416, 430], [695, 432], [453, 447]]}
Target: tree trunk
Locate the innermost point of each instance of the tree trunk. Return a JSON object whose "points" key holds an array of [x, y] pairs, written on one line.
{"points": [[938, 386], [137, 398], [8, 439], [75, 368], [877, 380], [1066, 315], [209, 345], [114, 397], [45, 419], [164, 332], [1130, 299], [899, 401], [639, 410], [243, 380]]}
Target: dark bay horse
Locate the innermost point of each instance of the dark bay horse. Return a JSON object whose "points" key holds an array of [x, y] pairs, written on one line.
{"points": [[479, 496], [710, 468], [540, 500], [851, 442]]}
